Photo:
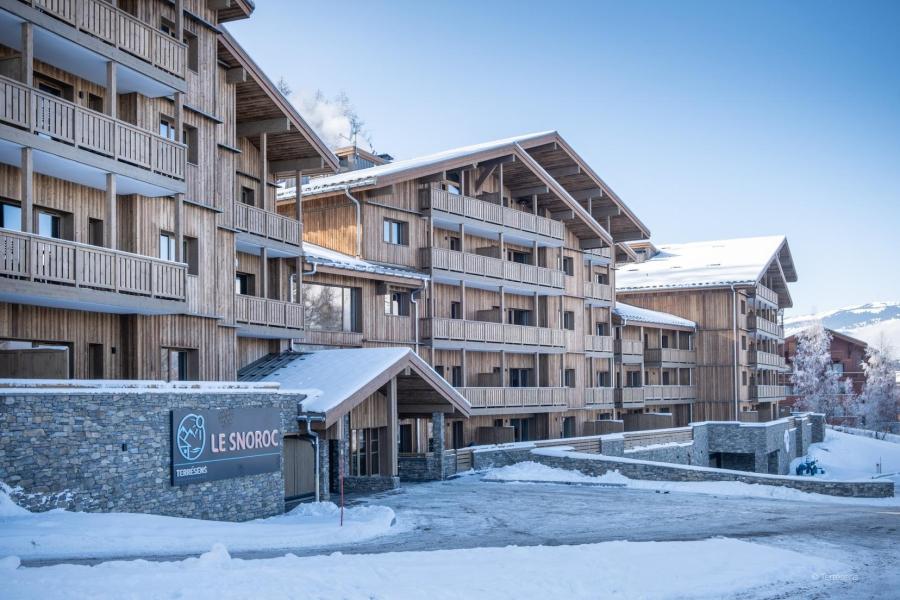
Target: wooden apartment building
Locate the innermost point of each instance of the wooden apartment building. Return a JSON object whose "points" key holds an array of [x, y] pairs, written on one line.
{"points": [[139, 149], [735, 291]]}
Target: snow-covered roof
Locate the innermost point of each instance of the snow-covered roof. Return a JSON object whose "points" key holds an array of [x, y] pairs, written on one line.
{"points": [[653, 317], [362, 177], [332, 258], [740, 261]]}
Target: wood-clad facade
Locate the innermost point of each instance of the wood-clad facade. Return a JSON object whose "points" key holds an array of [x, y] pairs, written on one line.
{"points": [[138, 199]]}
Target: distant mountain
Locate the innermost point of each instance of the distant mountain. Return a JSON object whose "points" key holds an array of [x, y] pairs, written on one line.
{"points": [[867, 322]]}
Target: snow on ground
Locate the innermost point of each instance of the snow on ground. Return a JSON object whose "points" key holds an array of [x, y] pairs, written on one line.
{"points": [[718, 568], [851, 457], [532, 472], [60, 534]]}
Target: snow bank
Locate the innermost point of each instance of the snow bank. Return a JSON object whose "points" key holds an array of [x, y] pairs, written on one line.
{"points": [[851, 457], [8, 508], [718, 568], [60, 534], [532, 471]]}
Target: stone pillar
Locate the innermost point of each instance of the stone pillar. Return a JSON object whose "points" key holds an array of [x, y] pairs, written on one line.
{"points": [[344, 447], [324, 487], [437, 431]]}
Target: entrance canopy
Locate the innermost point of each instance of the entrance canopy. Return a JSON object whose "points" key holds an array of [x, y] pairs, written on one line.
{"points": [[336, 381]]}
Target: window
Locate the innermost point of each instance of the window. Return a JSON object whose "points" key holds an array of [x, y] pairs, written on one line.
{"points": [[665, 378], [456, 310], [743, 342], [179, 365], [49, 224], [516, 316], [167, 128], [95, 232], [602, 329], [458, 437], [568, 427], [519, 377], [439, 369], [95, 361], [743, 377], [634, 379], [167, 27], [838, 368], [95, 103], [191, 255], [456, 378], [455, 243], [10, 216], [743, 307], [330, 307], [54, 87], [603, 379], [522, 429], [364, 452], [396, 232], [193, 51], [665, 341], [248, 196], [396, 304], [568, 265], [167, 246], [569, 320], [569, 378], [191, 139], [518, 257], [602, 278], [244, 284]]}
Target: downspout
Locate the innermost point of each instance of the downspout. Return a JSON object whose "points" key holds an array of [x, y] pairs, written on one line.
{"points": [[358, 221], [735, 334], [412, 298], [315, 267], [308, 419]]}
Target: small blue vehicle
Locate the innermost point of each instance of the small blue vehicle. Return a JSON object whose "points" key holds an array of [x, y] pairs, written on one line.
{"points": [[809, 467]]}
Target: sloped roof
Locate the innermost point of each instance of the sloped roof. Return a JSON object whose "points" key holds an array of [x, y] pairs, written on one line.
{"points": [[651, 317], [741, 261], [332, 258], [335, 381]]}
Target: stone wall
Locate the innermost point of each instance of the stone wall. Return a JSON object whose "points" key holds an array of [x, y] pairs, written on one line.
{"points": [[370, 484], [110, 450]]}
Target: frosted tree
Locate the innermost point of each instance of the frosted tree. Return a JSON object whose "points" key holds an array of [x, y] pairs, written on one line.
{"points": [[816, 383], [879, 402]]}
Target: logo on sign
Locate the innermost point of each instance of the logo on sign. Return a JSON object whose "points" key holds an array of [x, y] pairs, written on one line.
{"points": [[191, 436]]}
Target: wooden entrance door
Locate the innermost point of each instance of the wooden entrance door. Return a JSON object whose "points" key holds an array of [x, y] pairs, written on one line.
{"points": [[299, 468]]}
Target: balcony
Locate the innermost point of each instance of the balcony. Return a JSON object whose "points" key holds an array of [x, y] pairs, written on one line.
{"points": [[514, 338], [598, 255], [597, 292], [768, 392], [766, 360], [488, 213], [675, 394], [262, 313], [667, 356], [343, 339], [599, 344], [552, 398], [119, 29], [632, 397], [268, 225], [73, 125], [764, 293], [629, 351], [603, 397], [757, 323], [491, 270], [54, 272]]}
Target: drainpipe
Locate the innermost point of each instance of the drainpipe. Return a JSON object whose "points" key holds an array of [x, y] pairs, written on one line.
{"points": [[315, 267], [412, 298], [308, 418], [734, 331], [358, 221]]}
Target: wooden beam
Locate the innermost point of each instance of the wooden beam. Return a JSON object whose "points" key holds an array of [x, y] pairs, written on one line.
{"points": [[531, 191], [297, 164], [434, 177], [251, 128], [218, 4], [591, 243], [179, 228], [110, 104], [595, 193], [263, 171], [236, 75], [564, 171], [26, 178], [483, 173], [110, 226], [601, 212], [393, 427], [179, 20], [27, 63], [494, 162], [562, 215]]}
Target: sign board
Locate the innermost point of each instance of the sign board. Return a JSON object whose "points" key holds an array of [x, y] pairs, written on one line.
{"points": [[223, 443]]}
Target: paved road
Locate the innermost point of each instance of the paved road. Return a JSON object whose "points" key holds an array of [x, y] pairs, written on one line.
{"points": [[467, 512]]}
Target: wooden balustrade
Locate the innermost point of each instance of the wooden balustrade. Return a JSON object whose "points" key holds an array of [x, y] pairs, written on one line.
{"points": [[120, 29], [598, 343], [254, 310], [495, 333], [630, 397], [69, 123], [488, 212], [485, 266], [267, 224], [62, 262], [766, 294], [333, 338], [768, 391], [669, 392], [760, 324], [637, 439], [629, 347], [602, 396], [598, 291], [670, 355], [758, 357], [510, 397]]}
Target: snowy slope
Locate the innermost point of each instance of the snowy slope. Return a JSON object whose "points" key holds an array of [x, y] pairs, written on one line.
{"points": [[867, 322]]}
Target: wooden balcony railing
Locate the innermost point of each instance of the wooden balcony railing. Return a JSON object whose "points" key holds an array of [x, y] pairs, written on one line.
{"points": [[767, 294], [765, 325], [598, 291], [267, 224], [605, 252], [67, 122], [630, 397], [333, 338], [504, 271], [768, 391], [599, 397], [670, 355], [495, 333], [487, 212], [61, 262], [598, 343], [253, 310], [509, 397], [630, 347], [117, 28], [758, 357], [669, 392], [637, 439]]}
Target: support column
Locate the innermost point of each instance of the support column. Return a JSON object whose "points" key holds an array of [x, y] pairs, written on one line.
{"points": [[465, 370], [26, 74], [503, 368], [344, 444], [324, 469], [264, 272], [393, 428], [111, 102], [179, 228], [437, 432], [26, 172], [178, 100], [110, 224], [263, 171], [179, 20]]}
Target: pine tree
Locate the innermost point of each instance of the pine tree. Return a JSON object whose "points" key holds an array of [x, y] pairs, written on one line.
{"points": [[879, 403], [815, 381]]}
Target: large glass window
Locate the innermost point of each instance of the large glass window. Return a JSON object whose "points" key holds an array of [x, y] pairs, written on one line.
{"points": [[167, 246], [396, 304], [328, 307], [10, 216], [396, 232], [364, 452], [49, 225]]}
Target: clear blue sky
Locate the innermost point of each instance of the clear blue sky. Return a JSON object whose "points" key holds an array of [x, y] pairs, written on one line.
{"points": [[709, 119]]}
